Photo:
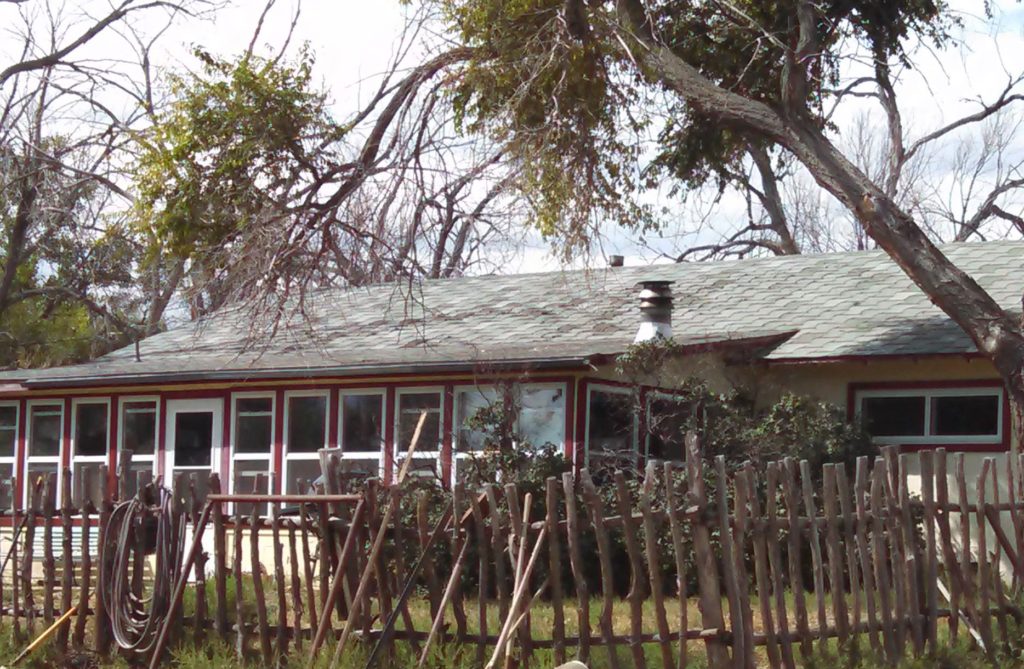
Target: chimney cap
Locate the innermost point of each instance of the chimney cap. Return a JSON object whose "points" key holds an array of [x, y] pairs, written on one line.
{"points": [[616, 261]]}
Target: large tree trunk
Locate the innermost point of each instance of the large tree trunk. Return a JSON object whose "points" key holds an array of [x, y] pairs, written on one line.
{"points": [[995, 332]]}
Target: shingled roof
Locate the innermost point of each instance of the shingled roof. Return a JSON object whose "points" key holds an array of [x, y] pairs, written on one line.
{"points": [[809, 307]]}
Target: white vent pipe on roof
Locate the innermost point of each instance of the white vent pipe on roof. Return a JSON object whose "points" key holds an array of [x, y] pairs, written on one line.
{"points": [[655, 311]]}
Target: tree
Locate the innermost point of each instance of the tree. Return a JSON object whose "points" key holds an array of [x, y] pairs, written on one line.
{"points": [[69, 284], [566, 82], [247, 175]]}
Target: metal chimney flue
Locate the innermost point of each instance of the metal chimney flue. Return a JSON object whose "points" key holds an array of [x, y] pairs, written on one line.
{"points": [[616, 261], [655, 311]]}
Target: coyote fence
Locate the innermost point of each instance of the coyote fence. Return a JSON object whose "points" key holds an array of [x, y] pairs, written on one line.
{"points": [[744, 567]]}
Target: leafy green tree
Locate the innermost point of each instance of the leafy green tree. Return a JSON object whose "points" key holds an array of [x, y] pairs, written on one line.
{"points": [[575, 87]]}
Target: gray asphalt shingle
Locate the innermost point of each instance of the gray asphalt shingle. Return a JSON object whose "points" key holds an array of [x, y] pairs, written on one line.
{"points": [[851, 304]]}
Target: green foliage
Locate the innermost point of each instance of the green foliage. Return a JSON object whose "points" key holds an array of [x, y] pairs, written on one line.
{"points": [[230, 148], [567, 90]]}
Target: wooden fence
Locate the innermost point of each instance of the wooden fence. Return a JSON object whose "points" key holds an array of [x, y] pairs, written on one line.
{"points": [[744, 567]]}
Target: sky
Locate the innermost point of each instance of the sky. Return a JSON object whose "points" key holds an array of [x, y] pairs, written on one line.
{"points": [[354, 39]]}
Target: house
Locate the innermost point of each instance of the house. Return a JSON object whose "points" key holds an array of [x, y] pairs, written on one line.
{"points": [[361, 367]]}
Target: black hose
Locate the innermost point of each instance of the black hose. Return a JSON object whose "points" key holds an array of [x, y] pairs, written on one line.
{"points": [[135, 619]]}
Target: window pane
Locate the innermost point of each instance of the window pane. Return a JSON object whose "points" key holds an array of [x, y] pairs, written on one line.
{"points": [[46, 431], [91, 429], [667, 429], [470, 403], [965, 415], [193, 438], [300, 475], [254, 405], [252, 476], [37, 469], [411, 406], [611, 422], [893, 416], [542, 416], [6, 490], [306, 419], [362, 421], [8, 430], [253, 434], [139, 427]]}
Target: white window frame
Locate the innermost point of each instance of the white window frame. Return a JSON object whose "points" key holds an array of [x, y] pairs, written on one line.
{"points": [[399, 450], [146, 457], [928, 394], [287, 456], [364, 455], [648, 403], [41, 459], [13, 458], [73, 445], [268, 457], [212, 405], [616, 390]]}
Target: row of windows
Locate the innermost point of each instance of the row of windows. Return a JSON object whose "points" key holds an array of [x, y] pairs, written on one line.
{"points": [[193, 440]]}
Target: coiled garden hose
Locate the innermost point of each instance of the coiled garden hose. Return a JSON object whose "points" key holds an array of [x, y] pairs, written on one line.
{"points": [[135, 619]]}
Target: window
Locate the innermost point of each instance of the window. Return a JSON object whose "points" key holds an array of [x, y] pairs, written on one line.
{"points": [[469, 403], [89, 447], [45, 428], [542, 414], [362, 433], [138, 435], [305, 434], [933, 416], [252, 441], [611, 425], [8, 444], [667, 419], [411, 405]]}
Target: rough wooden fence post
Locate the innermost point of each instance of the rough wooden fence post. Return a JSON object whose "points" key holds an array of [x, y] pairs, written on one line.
{"points": [[931, 571], [635, 596], [654, 565], [775, 564], [86, 505], [796, 582], [49, 563], [554, 568], [220, 578], [67, 561], [748, 479], [593, 502], [704, 557], [573, 535]]}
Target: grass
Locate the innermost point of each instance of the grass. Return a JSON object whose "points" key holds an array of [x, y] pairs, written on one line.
{"points": [[216, 653]]}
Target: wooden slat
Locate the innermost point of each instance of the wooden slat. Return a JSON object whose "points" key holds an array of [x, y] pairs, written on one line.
{"points": [[1002, 605], [635, 596], [67, 563], [220, 576], [816, 562], [593, 502], [861, 492], [263, 625], [739, 540], [423, 532], [554, 568], [295, 584], [85, 586], [703, 555], [574, 533], [201, 614], [305, 528], [984, 578], [483, 577], [676, 524], [967, 575], [236, 571], [897, 558], [881, 557], [748, 478], [834, 554], [458, 538], [931, 571], [849, 520], [280, 637], [776, 566], [795, 548], [914, 559], [49, 564], [654, 566], [949, 562]]}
